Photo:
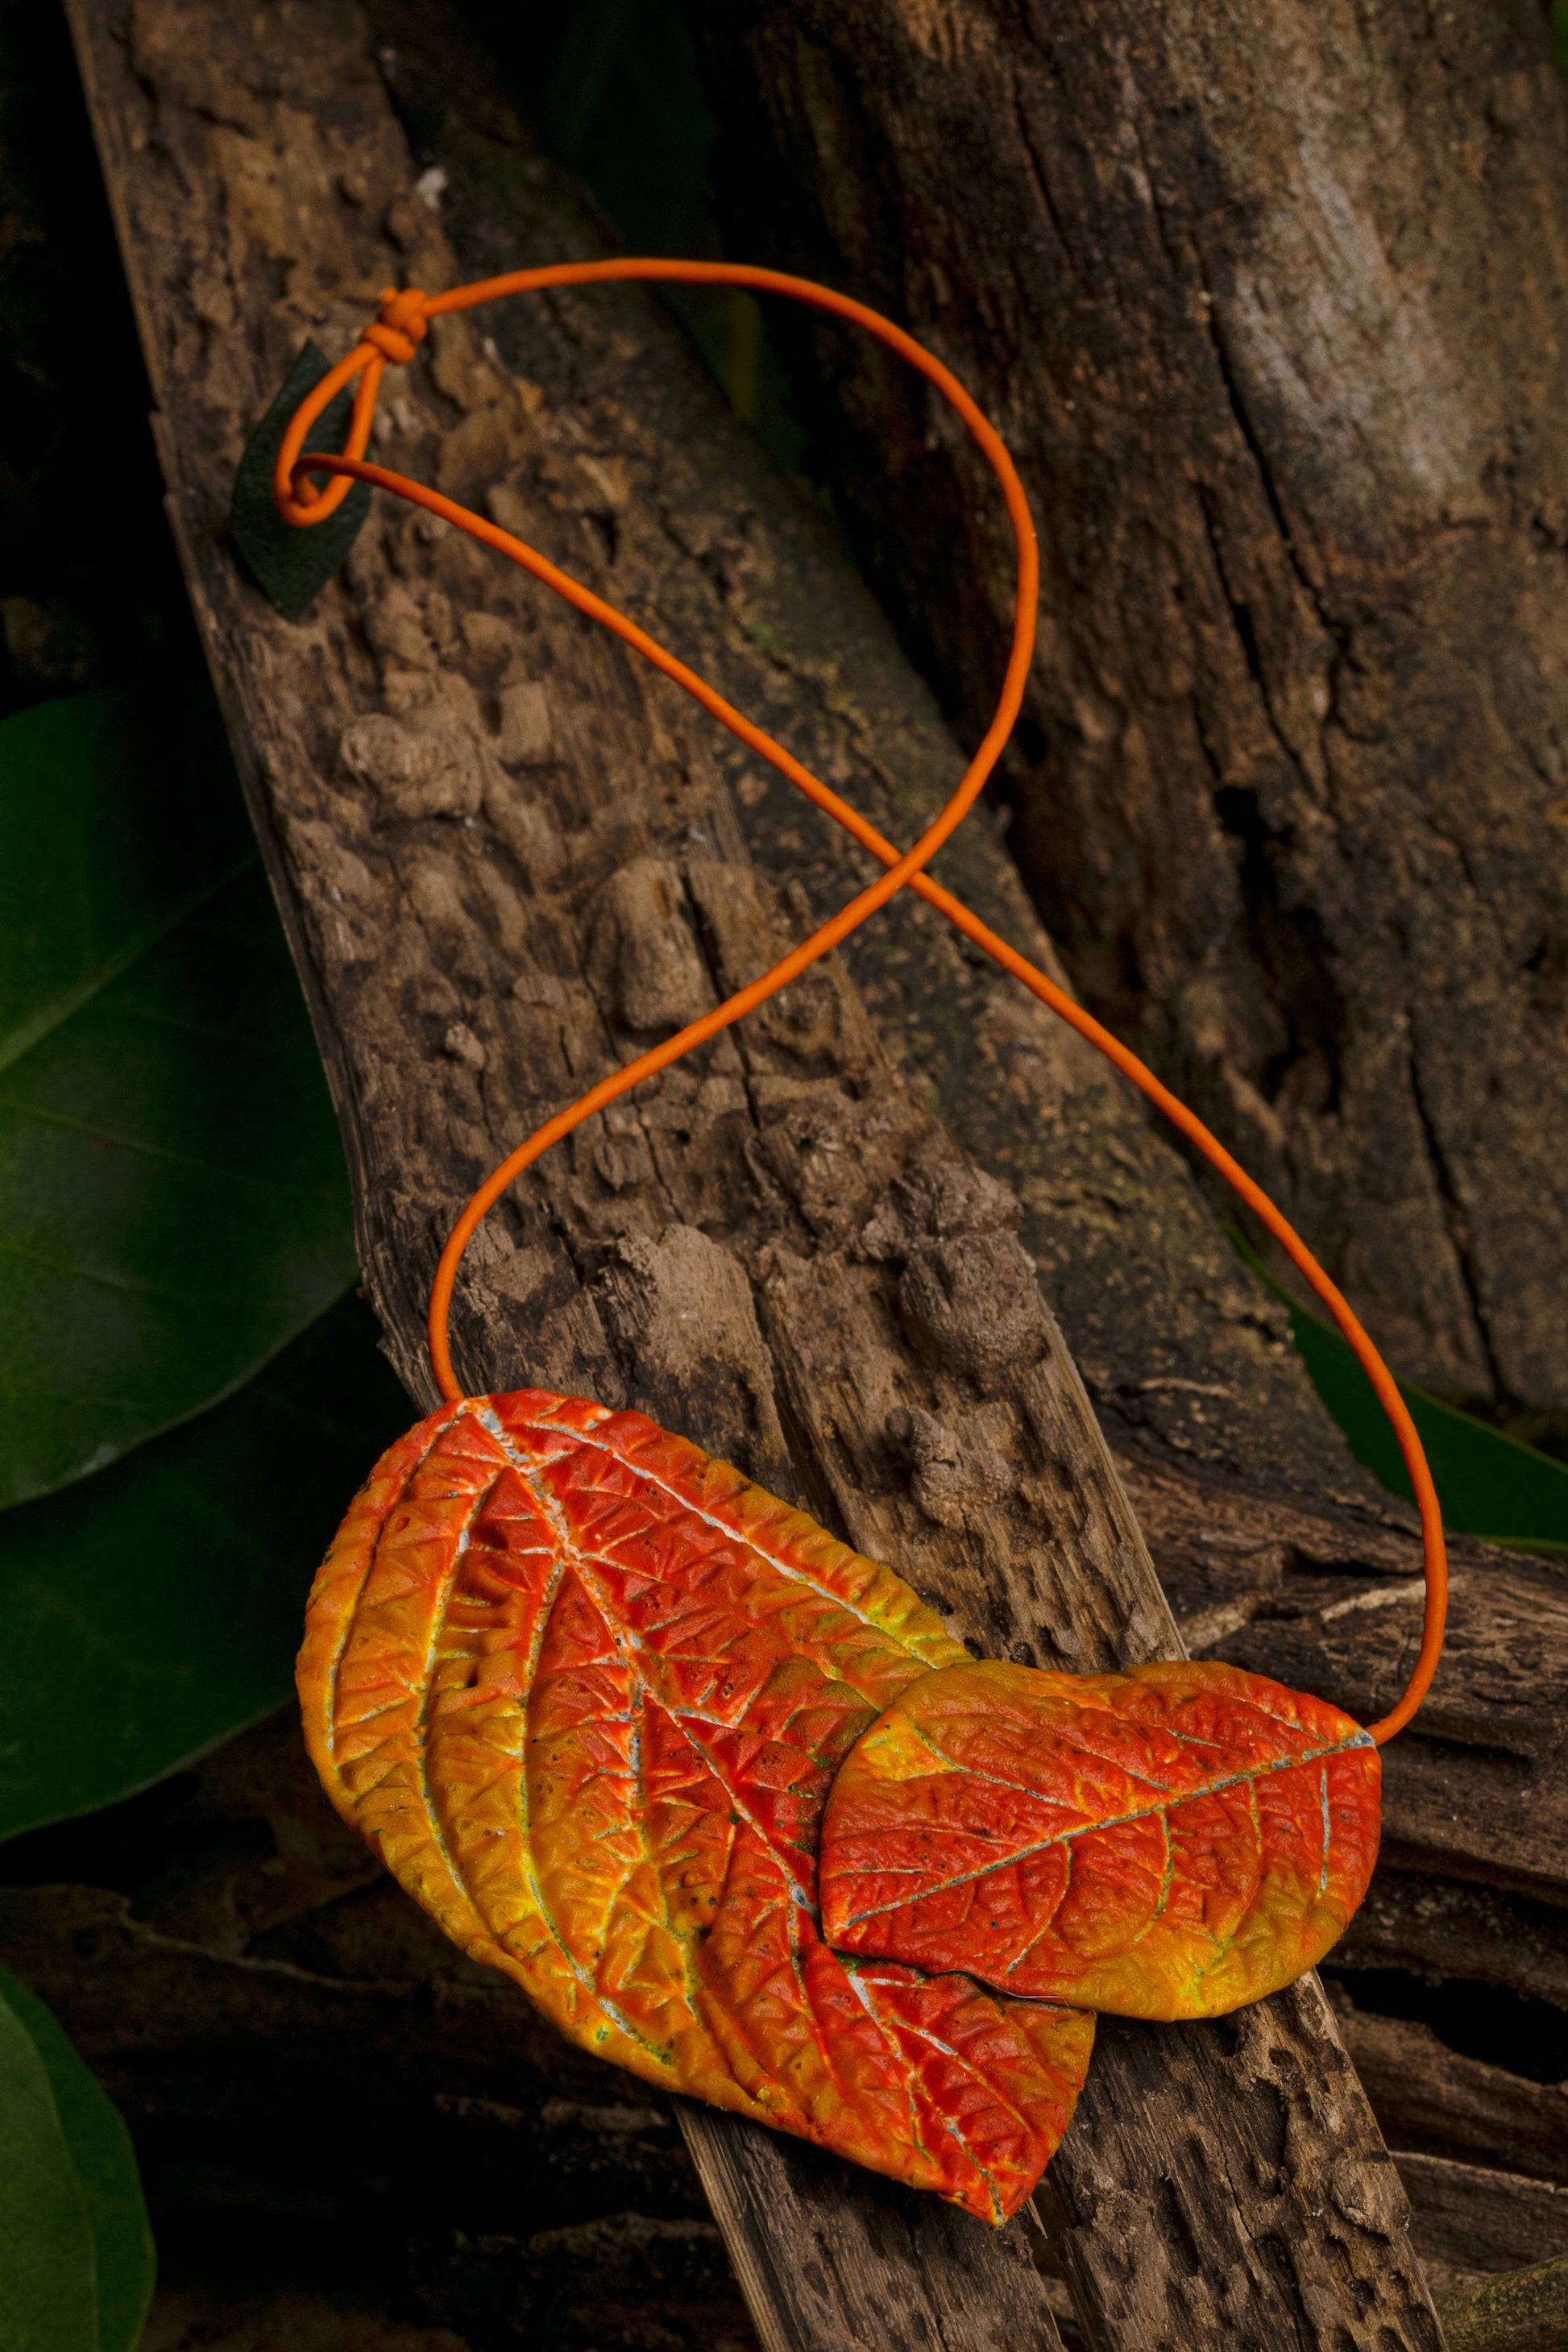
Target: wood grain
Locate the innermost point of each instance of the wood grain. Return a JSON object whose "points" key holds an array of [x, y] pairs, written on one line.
{"points": [[1431, 2097], [1472, 2222], [781, 1248], [1267, 296]]}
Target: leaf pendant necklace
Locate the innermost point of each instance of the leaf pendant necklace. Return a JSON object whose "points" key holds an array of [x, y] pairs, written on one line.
{"points": [[723, 1797]]}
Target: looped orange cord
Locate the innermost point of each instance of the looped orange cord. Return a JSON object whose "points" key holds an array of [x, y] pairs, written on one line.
{"points": [[401, 326]]}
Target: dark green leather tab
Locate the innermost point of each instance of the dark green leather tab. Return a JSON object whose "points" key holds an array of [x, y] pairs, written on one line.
{"points": [[288, 566]]}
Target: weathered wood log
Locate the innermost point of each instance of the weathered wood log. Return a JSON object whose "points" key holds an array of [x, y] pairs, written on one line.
{"points": [[1435, 1928], [1471, 2222], [1432, 2098], [1525, 2312], [504, 858], [1268, 300]]}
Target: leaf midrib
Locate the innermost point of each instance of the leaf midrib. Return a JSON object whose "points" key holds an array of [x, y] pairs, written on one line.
{"points": [[139, 1145], [130, 1285], [1169, 1804], [26, 1035]]}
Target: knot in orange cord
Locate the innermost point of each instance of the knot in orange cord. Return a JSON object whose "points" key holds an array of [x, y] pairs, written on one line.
{"points": [[394, 334], [400, 326]]}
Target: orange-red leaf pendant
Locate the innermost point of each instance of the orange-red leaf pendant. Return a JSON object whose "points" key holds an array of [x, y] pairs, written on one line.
{"points": [[1170, 1842], [590, 1692], [586, 1689]]}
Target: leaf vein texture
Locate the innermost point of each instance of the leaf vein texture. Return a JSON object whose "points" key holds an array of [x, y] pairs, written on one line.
{"points": [[993, 1820], [585, 1690]]}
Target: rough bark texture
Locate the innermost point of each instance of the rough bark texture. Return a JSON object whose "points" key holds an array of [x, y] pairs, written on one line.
{"points": [[1526, 2311], [782, 1250], [1433, 2097], [1271, 303], [1472, 2224]]}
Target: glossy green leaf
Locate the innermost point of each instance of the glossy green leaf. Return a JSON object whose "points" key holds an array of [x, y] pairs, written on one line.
{"points": [[48, 2293], [153, 1610], [174, 1207], [118, 814], [1487, 1483], [76, 2253]]}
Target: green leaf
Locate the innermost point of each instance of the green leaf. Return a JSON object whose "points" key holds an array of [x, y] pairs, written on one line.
{"points": [[1489, 1484], [49, 2288], [118, 814], [174, 1207], [155, 1609], [73, 2226], [291, 565]]}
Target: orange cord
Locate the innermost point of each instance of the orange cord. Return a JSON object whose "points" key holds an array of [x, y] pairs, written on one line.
{"points": [[395, 336]]}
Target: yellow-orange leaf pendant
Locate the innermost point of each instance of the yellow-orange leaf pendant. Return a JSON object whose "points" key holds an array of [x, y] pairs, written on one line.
{"points": [[604, 1706], [1166, 1843], [586, 1689]]}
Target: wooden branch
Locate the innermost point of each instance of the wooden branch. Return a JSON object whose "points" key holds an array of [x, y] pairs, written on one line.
{"points": [[1526, 2311], [1429, 2097], [505, 855], [1471, 2220], [1281, 647]]}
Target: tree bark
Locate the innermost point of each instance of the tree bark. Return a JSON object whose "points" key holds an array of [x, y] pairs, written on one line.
{"points": [[1525, 2313], [1473, 2223], [1271, 304]]}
